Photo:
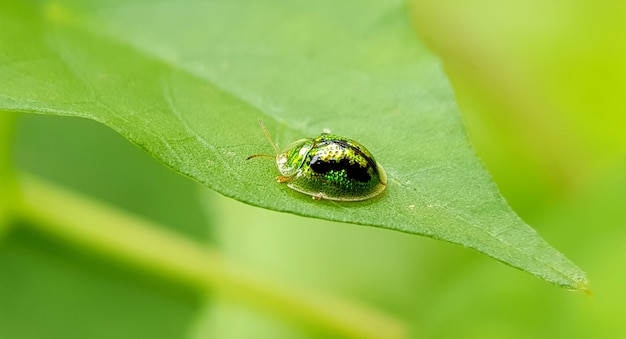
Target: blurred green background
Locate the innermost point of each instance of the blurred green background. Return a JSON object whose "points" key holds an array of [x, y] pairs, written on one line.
{"points": [[541, 86]]}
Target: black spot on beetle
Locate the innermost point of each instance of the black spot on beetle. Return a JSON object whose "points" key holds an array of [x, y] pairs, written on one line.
{"points": [[356, 150], [353, 170]]}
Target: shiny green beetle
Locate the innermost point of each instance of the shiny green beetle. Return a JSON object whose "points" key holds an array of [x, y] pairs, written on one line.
{"points": [[328, 167]]}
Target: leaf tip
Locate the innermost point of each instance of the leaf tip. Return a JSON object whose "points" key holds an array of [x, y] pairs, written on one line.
{"points": [[582, 285], [587, 290]]}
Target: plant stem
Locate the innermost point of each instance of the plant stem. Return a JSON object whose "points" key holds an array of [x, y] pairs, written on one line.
{"points": [[141, 243]]}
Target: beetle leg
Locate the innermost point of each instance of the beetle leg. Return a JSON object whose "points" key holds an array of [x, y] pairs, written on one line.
{"points": [[281, 178]]}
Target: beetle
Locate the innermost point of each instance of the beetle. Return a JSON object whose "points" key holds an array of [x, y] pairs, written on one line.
{"points": [[329, 167]]}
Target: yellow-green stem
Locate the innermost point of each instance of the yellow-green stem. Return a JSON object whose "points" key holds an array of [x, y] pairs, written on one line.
{"points": [[141, 243]]}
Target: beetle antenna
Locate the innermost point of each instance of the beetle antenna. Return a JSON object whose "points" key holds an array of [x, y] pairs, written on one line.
{"points": [[259, 156], [269, 137]]}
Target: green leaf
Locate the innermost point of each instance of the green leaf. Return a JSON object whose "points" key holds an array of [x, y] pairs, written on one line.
{"points": [[187, 81]]}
